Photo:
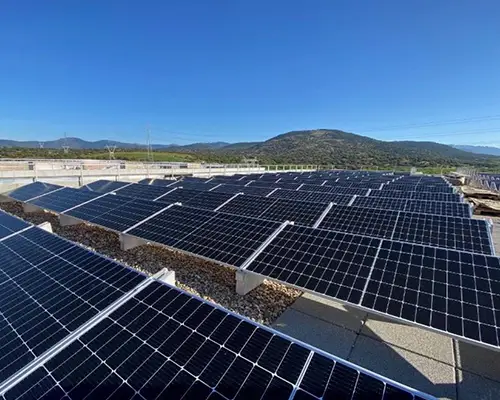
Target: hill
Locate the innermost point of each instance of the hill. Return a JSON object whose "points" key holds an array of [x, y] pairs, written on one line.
{"points": [[348, 150], [494, 151], [320, 146]]}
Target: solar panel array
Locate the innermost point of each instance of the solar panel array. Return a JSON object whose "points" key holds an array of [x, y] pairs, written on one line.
{"points": [[339, 261], [32, 190], [75, 324]]}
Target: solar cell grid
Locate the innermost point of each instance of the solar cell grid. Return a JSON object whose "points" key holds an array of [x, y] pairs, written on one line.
{"points": [[316, 197], [10, 224], [178, 195], [44, 296], [439, 208], [451, 291], [300, 212], [116, 212], [145, 192], [250, 206], [464, 234], [326, 262], [227, 238], [104, 186], [446, 197], [196, 185], [208, 200], [63, 199], [160, 182], [363, 221], [172, 224], [35, 189], [165, 343]]}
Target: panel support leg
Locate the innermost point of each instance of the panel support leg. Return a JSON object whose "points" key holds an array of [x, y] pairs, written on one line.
{"points": [[67, 220], [5, 199], [46, 226], [166, 275], [30, 208], [128, 242], [246, 282]]}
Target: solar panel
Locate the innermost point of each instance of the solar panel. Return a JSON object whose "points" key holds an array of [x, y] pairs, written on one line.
{"points": [[160, 182], [179, 195], [418, 206], [171, 225], [363, 221], [208, 200], [454, 292], [229, 239], [45, 295], [63, 199], [447, 290], [427, 196], [104, 186], [146, 181], [35, 189], [250, 190], [326, 262], [316, 197], [439, 208], [250, 206], [116, 212], [392, 194], [10, 224], [300, 212], [195, 185], [315, 188], [165, 343], [145, 192], [465, 234]]}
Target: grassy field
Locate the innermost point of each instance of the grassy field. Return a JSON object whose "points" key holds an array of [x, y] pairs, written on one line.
{"points": [[143, 155]]}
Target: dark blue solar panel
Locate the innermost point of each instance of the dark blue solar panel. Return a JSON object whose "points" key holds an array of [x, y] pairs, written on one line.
{"points": [[48, 288], [164, 343], [145, 192], [10, 224], [63, 199], [172, 224], [32, 190], [116, 212], [104, 186]]}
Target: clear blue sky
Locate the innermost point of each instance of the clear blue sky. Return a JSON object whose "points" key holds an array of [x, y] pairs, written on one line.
{"points": [[234, 70]]}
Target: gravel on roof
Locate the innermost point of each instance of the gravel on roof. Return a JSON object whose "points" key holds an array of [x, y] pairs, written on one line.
{"points": [[206, 279]]}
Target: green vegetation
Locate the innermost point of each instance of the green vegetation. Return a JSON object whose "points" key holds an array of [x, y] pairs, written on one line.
{"points": [[334, 148], [143, 156]]}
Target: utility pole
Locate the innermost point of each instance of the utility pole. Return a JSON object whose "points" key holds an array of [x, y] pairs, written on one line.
{"points": [[111, 149], [65, 146], [150, 150]]}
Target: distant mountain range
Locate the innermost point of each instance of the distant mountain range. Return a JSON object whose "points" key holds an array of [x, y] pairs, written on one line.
{"points": [[319, 146], [494, 151], [77, 143]]}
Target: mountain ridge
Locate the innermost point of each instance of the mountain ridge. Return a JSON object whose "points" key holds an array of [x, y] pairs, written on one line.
{"points": [[489, 150], [318, 146]]}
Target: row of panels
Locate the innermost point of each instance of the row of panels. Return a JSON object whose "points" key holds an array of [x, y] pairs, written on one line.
{"points": [[120, 335], [448, 204], [118, 212], [445, 290], [34, 191]]}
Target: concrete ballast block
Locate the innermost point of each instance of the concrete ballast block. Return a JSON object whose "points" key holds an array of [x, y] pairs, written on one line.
{"points": [[46, 226], [128, 242], [67, 220], [246, 282]]}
